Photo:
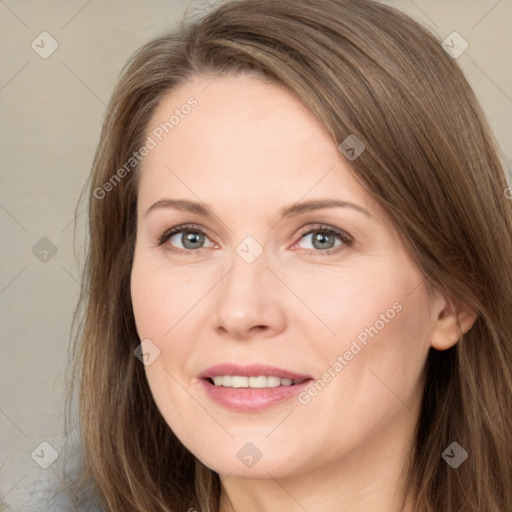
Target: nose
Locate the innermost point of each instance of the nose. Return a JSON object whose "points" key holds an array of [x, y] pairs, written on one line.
{"points": [[249, 301]]}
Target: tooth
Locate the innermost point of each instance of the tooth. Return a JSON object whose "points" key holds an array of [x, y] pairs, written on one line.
{"points": [[273, 382], [258, 382], [239, 382]]}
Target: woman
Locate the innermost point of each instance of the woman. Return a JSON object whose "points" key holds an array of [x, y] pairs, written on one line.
{"points": [[298, 280]]}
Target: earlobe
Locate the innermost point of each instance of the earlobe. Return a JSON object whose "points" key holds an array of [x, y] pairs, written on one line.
{"points": [[452, 322]]}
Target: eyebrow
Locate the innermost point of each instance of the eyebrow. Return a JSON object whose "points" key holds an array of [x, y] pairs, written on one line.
{"points": [[286, 212]]}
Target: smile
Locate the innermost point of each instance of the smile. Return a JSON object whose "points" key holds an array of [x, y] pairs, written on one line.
{"points": [[260, 382]]}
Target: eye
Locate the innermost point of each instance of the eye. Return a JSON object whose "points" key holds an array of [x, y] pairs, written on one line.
{"points": [[323, 240], [189, 236]]}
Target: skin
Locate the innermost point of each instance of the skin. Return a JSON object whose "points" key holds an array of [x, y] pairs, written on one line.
{"points": [[247, 150]]}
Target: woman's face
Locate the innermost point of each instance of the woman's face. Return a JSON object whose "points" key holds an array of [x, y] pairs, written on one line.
{"points": [[244, 285]]}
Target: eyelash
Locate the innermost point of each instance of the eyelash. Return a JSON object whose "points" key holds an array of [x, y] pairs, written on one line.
{"points": [[346, 240]]}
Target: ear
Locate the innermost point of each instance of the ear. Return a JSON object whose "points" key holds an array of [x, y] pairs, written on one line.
{"points": [[451, 321]]}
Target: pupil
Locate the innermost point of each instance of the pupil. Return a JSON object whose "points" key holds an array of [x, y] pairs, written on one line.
{"points": [[192, 240]]}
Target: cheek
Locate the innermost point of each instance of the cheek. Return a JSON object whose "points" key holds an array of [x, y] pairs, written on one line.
{"points": [[373, 355], [378, 357], [161, 298], [164, 303], [159, 303], [345, 302]]}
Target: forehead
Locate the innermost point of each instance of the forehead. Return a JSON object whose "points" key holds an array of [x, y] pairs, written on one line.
{"points": [[236, 109], [246, 138]]}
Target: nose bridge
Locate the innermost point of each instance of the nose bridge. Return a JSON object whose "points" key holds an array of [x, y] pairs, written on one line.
{"points": [[248, 268], [249, 250]]}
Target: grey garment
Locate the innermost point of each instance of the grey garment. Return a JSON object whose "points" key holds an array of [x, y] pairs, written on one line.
{"points": [[50, 490], [48, 495]]}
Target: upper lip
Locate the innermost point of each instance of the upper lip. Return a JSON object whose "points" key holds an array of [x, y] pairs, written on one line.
{"points": [[253, 370]]}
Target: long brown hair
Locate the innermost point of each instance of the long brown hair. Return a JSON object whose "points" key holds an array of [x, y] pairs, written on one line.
{"points": [[363, 69]]}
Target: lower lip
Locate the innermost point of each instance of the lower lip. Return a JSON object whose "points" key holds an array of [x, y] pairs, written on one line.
{"points": [[252, 399]]}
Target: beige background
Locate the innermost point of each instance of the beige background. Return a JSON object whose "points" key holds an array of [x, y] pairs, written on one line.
{"points": [[51, 114]]}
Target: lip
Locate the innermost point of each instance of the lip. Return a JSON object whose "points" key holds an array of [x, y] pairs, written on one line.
{"points": [[251, 399]]}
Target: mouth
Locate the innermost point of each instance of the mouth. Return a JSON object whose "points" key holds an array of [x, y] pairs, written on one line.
{"points": [[251, 376], [258, 382], [251, 388]]}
